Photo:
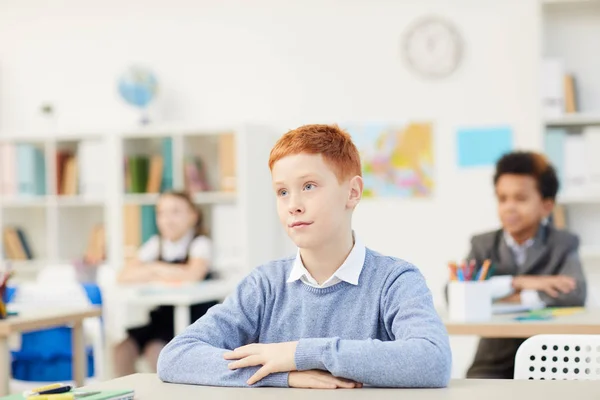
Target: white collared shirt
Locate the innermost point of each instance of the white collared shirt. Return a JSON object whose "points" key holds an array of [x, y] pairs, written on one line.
{"points": [[519, 250], [348, 272]]}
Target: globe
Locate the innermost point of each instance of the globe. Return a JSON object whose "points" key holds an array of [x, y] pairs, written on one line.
{"points": [[138, 86]]}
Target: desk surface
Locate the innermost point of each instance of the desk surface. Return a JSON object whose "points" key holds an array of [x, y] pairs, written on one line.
{"points": [[33, 320], [504, 326], [149, 387], [184, 295]]}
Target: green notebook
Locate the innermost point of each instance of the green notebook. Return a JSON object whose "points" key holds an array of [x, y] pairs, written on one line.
{"points": [[103, 395]]}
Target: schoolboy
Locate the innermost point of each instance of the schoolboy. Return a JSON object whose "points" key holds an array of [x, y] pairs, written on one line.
{"points": [[336, 315]]}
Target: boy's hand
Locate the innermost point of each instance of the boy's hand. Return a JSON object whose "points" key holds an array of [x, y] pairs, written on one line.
{"points": [[315, 379], [276, 357], [551, 285]]}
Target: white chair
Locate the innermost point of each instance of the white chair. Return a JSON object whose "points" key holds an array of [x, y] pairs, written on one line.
{"points": [[559, 357]]}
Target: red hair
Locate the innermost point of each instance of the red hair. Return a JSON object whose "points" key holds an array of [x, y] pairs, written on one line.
{"points": [[334, 144]]}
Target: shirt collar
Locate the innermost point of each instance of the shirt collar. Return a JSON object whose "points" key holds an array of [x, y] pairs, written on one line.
{"points": [[348, 272]]}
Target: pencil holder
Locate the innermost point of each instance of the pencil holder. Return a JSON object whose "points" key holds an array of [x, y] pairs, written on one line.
{"points": [[469, 301]]}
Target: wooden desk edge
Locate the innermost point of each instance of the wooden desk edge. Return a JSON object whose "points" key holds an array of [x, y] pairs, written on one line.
{"points": [[35, 322], [524, 330]]}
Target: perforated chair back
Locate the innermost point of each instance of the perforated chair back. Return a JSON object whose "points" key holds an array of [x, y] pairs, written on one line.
{"points": [[559, 357]]}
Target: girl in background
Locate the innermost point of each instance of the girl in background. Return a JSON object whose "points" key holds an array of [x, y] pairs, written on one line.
{"points": [[180, 252]]}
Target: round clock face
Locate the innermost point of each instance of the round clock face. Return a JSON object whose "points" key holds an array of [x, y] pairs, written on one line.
{"points": [[432, 47]]}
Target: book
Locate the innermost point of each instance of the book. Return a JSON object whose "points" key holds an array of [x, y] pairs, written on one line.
{"points": [[167, 156], [91, 179], [127, 178], [575, 174], [195, 175], [13, 245], [559, 217], [139, 167], [155, 175], [103, 395], [148, 223], [571, 100], [227, 165], [554, 144], [132, 233], [511, 308], [69, 178], [24, 243], [61, 159], [553, 87], [30, 170]]}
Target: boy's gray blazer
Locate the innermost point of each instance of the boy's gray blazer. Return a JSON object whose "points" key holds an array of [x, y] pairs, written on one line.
{"points": [[554, 252]]}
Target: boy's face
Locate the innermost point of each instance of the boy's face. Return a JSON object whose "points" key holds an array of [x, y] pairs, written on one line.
{"points": [[520, 204], [312, 204]]}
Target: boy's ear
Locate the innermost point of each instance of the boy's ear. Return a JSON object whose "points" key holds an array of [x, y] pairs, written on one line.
{"points": [[356, 189], [548, 206]]}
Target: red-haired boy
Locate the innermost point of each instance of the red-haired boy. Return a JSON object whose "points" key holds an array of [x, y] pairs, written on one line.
{"points": [[335, 315]]}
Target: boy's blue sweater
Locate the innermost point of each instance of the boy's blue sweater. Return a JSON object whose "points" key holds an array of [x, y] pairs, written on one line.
{"points": [[382, 332]]}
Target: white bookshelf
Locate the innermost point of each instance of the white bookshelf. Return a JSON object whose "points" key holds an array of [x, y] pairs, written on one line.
{"points": [[570, 29], [242, 222]]}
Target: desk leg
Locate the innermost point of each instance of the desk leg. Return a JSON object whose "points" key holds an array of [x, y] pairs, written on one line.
{"points": [[5, 370], [182, 318], [79, 358]]}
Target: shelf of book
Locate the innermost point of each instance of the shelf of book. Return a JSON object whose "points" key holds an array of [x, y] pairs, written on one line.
{"points": [[100, 191]]}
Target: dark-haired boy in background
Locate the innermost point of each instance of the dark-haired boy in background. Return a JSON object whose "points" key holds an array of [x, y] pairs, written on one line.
{"points": [[535, 263]]}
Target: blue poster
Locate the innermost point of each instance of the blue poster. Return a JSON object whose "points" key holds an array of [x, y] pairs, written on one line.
{"points": [[482, 146]]}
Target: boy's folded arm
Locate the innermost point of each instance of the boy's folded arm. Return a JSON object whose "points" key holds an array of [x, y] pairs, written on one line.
{"points": [[571, 267], [418, 356], [196, 355]]}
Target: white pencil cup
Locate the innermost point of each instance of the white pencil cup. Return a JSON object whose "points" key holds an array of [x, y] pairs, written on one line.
{"points": [[469, 301]]}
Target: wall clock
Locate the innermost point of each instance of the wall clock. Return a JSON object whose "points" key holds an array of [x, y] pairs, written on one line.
{"points": [[432, 47]]}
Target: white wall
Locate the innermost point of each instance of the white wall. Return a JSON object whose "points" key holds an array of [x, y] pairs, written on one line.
{"points": [[288, 63]]}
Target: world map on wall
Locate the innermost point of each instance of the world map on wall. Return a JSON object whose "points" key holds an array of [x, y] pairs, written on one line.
{"points": [[397, 160]]}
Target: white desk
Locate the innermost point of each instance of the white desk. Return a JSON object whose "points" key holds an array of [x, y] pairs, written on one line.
{"points": [[149, 387], [35, 320], [181, 297]]}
